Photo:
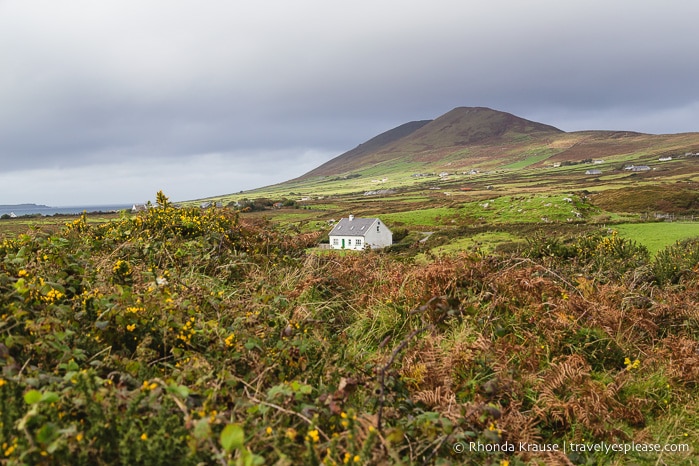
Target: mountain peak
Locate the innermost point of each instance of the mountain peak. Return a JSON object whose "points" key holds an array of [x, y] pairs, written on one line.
{"points": [[467, 125], [460, 127]]}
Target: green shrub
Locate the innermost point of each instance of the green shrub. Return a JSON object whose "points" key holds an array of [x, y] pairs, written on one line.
{"points": [[611, 253], [676, 261], [542, 245]]}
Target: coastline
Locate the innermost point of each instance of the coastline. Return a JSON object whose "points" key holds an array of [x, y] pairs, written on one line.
{"points": [[21, 210]]}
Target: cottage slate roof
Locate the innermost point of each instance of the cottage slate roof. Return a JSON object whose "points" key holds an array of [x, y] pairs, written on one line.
{"points": [[354, 227]]}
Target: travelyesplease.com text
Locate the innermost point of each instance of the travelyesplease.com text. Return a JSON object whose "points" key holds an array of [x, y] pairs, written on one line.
{"points": [[602, 447]]}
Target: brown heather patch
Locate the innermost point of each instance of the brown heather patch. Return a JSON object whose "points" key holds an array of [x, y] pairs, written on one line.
{"points": [[666, 197]]}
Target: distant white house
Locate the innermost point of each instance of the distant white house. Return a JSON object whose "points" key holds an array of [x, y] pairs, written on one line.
{"points": [[637, 168], [358, 233], [664, 159], [208, 204], [593, 171]]}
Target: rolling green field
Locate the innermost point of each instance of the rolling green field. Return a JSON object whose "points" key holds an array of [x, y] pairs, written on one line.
{"points": [[657, 236], [423, 217], [485, 242]]}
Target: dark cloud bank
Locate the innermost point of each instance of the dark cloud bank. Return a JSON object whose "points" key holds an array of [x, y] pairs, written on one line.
{"points": [[107, 102]]}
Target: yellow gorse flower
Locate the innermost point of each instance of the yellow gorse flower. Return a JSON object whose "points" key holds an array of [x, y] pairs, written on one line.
{"points": [[631, 365], [313, 435], [187, 331], [493, 428], [52, 296], [148, 386]]}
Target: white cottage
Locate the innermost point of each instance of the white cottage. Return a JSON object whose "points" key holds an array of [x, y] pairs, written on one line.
{"points": [[357, 233]]}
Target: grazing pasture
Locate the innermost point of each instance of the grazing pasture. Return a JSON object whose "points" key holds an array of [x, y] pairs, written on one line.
{"points": [[657, 236]]}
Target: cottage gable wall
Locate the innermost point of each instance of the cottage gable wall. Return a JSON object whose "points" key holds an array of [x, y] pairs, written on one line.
{"points": [[358, 233]]}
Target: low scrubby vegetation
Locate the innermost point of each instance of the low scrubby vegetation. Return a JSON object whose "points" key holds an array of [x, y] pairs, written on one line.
{"points": [[188, 336]]}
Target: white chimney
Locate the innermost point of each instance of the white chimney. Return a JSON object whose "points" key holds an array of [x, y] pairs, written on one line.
{"points": [[351, 217]]}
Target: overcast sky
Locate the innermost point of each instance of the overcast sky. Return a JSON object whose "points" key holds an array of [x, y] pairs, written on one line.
{"points": [[109, 101]]}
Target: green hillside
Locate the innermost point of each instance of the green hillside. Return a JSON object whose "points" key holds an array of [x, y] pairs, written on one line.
{"points": [[477, 147]]}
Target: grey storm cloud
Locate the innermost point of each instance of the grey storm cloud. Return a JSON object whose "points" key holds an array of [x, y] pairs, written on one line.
{"points": [[88, 85]]}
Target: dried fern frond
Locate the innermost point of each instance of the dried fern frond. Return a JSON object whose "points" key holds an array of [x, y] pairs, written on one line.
{"points": [[519, 426], [440, 399]]}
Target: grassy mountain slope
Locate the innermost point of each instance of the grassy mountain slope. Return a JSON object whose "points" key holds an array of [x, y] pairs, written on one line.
{"points": [[427, 142], [348, 160], [501, 148], [481, 137]]}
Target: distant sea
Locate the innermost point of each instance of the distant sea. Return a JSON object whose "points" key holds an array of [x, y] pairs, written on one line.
{"points": [[35, 209]]}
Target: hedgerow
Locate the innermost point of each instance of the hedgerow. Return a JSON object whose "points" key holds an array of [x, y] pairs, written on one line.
{"points": [[190, 336]]}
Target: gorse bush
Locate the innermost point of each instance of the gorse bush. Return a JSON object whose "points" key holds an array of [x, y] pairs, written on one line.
{"points": [[607, 255], [543, 245], [97, 310], [190, 336], [611, 253], [676, 261]]}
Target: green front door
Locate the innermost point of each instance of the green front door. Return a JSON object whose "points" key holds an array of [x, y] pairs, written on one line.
{"points": [[343, 243]]}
